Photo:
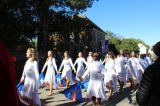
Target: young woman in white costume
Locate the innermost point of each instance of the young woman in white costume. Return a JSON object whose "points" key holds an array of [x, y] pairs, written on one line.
{"points": [[133, 63], [80, 61], [67, 66], [96, 88], [89, 58], [120, 63], [30, 77], [110, 78], [49, 79]]}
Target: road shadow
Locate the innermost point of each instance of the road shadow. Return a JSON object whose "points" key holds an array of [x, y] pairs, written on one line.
{"points": [[70, 104], [127, 94], [47, 100], [126, 97]]}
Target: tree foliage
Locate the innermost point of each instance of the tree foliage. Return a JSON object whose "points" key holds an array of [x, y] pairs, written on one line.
{"points": [[23, 20], [127, 45]]}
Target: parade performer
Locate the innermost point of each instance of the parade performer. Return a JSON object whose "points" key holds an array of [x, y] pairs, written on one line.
{"points": [[133, 64], [30, 77], [67, 66], [49, 79], [110, 77], [80, 61], [96, 88], [120, 63], [89, 58]]}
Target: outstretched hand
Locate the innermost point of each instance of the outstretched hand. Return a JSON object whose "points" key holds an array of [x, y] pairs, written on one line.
{"points": [[22, 80], [58, 72], [80, 78], [74, 70]]}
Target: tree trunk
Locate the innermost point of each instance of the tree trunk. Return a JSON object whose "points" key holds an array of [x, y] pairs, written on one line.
{"points": [[43, 38]]}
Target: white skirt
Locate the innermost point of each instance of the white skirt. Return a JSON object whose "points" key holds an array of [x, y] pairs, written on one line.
{"points": [[67, 73], [50, 77], [96, 88], [31, 90]]}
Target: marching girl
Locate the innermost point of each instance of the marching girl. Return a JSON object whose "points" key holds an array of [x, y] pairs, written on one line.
{"points": [[80, 68], [67, 66], [30, 77], [89, 58], [120, 63], [96, 88], [133, 64], [49, 79], [110, 77], [143, 62]]}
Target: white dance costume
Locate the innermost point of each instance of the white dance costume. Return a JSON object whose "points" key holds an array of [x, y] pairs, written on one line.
{"points": [[120, 64], [110, 68], [134, 67], [80, 68], [67, 66], [50, 74], [96, 85], [31, 81]]}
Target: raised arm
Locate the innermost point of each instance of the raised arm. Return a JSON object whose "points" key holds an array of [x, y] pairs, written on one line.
{"points": [[85, 74], [75, 62], [45, 65], [71, 63]]}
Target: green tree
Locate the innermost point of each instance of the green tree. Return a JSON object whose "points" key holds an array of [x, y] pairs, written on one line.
{"points": [[21, 21], [127, 45]]}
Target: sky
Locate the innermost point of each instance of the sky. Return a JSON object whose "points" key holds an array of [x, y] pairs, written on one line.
{"points": [[139, 19]]}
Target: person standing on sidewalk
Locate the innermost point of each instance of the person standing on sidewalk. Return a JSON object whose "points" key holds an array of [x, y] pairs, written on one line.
{"points": [[8, 90], [149, 90]]}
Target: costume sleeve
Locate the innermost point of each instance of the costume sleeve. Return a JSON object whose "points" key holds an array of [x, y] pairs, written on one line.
{"points": [[36, 70], [23, 75], [54, 64], [144, 89], [102, 69], [75, 62], [86, 73], [84, 61], [70, 60], [116, 66], [140, 67], [61, 65], [129, 64]]}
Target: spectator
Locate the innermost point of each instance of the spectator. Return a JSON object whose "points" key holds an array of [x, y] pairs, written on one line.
{"points": [[149, 90], [8, 91]]}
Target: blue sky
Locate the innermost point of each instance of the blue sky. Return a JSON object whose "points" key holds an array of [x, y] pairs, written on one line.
{"points": [[139, 19]]}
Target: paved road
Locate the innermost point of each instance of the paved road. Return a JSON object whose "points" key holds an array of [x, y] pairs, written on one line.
{"points": [[127, 98]]}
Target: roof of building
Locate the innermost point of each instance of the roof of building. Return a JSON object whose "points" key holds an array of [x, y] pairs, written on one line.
{"points": [[92, 23]]}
